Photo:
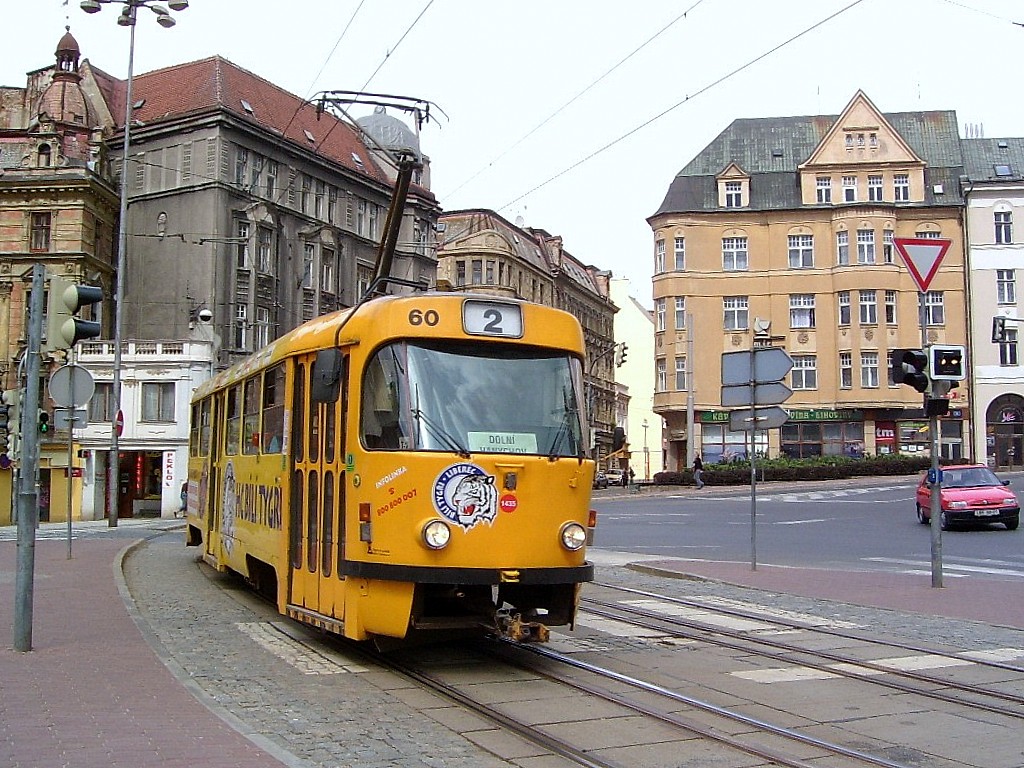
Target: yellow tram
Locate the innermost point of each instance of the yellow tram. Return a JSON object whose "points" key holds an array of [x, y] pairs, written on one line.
{"points": [[414, 463]]}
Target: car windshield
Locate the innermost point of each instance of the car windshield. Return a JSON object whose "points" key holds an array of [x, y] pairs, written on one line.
{"points": [[971, 477], [473, 397]]}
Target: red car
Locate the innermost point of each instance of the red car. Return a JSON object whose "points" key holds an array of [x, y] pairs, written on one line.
{"points": [[971, 493]]}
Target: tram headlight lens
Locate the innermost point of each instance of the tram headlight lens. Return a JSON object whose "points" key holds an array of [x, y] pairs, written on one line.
{"points": [[437, 534], [574, 536]]}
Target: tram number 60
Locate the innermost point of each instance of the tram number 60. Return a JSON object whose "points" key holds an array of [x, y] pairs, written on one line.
{"points": [[418, 317]]}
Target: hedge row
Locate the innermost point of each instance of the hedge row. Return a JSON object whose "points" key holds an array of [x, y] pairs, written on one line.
{"points": [[784, 468]]}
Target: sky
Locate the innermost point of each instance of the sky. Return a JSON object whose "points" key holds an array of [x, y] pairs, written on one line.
{"points": [[576, 114]]}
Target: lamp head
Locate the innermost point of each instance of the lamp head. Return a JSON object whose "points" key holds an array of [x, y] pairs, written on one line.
{"points": [[178, 5], [90, 6]]}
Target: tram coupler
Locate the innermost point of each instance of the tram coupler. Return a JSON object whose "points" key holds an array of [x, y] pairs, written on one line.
{"points": [[519, 631]]}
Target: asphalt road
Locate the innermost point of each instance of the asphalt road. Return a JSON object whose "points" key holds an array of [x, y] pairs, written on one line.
{"points": [[848, 526]]}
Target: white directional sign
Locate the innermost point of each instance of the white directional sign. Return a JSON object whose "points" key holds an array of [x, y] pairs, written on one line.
{"points": [[762, 366], [747, 419], [922, 257]]}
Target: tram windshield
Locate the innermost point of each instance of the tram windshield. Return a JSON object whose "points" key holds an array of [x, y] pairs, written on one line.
{"points": [[473, 398]]}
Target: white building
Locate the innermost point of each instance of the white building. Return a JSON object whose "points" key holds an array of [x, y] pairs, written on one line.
{"points": [[634, 326], [994, 191], [157, 382]]}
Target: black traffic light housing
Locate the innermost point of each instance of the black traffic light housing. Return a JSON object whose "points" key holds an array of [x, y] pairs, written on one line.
{"points": [[910, 367], [44, 421], [946, 362], [63, 329], [998, 330]]}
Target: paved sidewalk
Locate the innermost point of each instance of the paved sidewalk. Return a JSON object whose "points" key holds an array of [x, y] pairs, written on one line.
{"points": [[92, 692]]}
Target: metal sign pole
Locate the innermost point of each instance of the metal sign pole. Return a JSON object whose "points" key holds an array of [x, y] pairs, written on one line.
{"points": [[935, 523], [753, 463]]}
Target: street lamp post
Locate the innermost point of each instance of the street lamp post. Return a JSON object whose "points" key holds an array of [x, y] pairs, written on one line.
{"points": [[647, 453], [129, 9]]}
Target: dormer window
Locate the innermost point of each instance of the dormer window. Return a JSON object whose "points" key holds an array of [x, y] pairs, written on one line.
{"points": [[43, 158], [733, 194]]}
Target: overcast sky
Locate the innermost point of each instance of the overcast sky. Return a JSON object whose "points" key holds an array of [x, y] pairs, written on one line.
{"points": [[577, 114]]}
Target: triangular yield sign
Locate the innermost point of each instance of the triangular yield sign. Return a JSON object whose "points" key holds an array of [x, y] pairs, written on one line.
{"points": [[922, 257]]}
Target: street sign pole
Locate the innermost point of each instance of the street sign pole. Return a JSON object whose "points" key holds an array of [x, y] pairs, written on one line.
{"points": [[753, 463]]}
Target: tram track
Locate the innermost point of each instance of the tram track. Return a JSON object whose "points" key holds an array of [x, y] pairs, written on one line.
{"points": [[878, 672]]}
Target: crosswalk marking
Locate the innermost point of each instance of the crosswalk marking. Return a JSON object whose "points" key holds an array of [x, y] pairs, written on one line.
{"points": [[294, 652]]}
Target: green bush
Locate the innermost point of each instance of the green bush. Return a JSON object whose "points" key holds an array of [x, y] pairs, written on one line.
{"points": [[789, 469]]}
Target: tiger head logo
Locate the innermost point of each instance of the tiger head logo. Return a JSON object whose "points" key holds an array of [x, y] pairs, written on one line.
{"points": [[465, 495]]}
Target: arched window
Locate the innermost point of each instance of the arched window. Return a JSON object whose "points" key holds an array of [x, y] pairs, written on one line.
{"points": [[43, 159]]}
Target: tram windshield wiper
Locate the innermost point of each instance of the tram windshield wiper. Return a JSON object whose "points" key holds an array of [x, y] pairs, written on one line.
{"points": [[439, 433], [565, 431]]}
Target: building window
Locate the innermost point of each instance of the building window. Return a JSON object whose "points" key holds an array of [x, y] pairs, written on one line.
{"points": [[801, 310], [265, 251], [735, 312], [332, 203], [1008, 348], [928, 234], [242, 245], [801, 251], [262, 331], [680, 253], [241, 165], [844, 307], [661, 376], [460, 273], [272, 170], [680, 313], [890, 307], [846, 370], [803, 440], [158, 401], [888, 367], [849, 189], [1004, 227], [868, 301], [308, 259], [43, 159], [659, 256], [477, 277], [865, 246], [659, 314], [842, 248], [805, 372], [680, 374], [101, 407], [888, 246], [869, 369], [734, 254], [901, 187], [824, 187], [39, 237], [1006, 286], [361, 218], [733, 194], [241, 327], [374, 213], [305, 193], [875, 188], [255, 177], [327, 271], [934, 308]]}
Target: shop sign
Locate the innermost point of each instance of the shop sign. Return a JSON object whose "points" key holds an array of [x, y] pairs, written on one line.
{"points": [[885, 433], [1010, 416], [714, 417], [169, 478], [827, 414]]}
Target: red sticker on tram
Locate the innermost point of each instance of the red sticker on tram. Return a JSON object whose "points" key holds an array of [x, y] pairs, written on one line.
{"points": [[508, 503]]}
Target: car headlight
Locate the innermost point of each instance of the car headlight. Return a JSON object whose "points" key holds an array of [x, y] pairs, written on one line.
{"points": [[573, 536], [437, 534], [1010, 502], [958, 505]]}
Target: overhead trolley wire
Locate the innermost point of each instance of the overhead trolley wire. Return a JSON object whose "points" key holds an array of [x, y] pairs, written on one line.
{"points": [[683, 101]]}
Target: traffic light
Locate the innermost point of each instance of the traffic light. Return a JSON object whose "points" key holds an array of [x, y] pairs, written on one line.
{"points": [[620, 354], [5, 428], [10, 429], [910, 367], [618, 438], [947, 362], [63, 329], [998, 330], [44, 422]]}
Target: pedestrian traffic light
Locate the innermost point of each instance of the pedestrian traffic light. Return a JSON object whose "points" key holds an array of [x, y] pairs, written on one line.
{"points": [[998, 330], [44, 421], [947, 362], [910, 367], [63, 329]]}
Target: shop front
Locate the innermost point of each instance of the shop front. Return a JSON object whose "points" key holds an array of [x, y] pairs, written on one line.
{"points": [[1004, 432], [719, 444], [823, 432]]}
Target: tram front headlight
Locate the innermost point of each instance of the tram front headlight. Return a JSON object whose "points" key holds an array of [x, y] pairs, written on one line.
{"points": [[437, 534], [573, 536]]}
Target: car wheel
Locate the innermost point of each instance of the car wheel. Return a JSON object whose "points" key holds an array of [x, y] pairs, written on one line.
{"points": [[1012, 523], [921, 518], [946, 524]]}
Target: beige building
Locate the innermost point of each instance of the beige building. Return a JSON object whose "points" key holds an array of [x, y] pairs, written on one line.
{"points": [[478, 250], [781, 232]]}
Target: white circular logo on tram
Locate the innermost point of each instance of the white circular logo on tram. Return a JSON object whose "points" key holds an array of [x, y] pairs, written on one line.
{"points": [[465, 495]]}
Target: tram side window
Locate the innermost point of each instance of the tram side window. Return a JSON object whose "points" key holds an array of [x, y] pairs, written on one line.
{"points": [[380, 426], [234, 415], [205, 427], [193, 432], [251, 422], [273, 410], [298, 411]]}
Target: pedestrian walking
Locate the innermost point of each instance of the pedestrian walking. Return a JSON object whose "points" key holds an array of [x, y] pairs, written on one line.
{"points": [[698, 472]]}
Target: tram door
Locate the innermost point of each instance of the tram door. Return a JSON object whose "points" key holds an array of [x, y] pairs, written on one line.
{"points": [[317, 477], [211, 514]]}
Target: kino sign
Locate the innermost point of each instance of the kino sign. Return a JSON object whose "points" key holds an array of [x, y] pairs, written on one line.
{"points": [[754, 378], [922, 257]]}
